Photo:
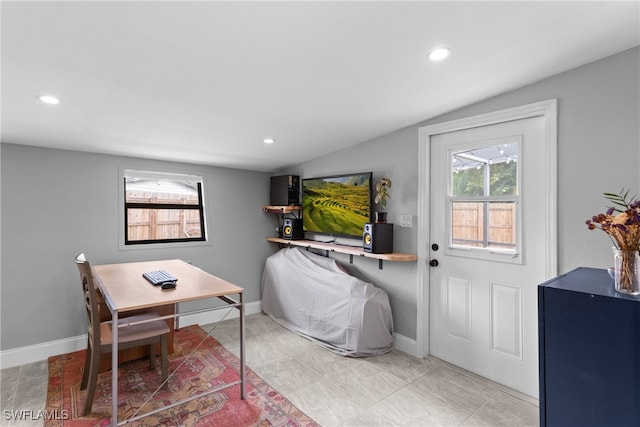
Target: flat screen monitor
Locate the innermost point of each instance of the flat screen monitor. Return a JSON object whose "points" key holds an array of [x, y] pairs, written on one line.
{"points": [[337, 205]]}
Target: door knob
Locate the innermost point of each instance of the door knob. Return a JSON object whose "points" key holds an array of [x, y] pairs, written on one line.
{"points": [[433, 263]]}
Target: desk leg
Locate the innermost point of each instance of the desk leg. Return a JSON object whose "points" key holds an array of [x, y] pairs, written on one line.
{"points": [[242, 367], [114, 369]]}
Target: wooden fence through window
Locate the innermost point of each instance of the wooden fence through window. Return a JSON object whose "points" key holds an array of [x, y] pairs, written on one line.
{"points": [[468, 224], [157, 224]]}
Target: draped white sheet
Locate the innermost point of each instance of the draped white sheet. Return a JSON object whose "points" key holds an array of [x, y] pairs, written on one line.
{"points": [[314, 297]]}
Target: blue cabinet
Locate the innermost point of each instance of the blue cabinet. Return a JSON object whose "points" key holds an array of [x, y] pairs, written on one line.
{"points": [[589, 352]]}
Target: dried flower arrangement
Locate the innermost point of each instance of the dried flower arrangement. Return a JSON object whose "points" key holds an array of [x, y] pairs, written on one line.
{"points": [[621, 222]]}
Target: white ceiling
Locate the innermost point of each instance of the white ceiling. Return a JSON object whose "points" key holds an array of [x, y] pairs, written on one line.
{"points": [[206, 82]]}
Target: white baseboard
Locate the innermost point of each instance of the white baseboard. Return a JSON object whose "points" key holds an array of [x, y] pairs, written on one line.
{"points": [[37, 352], [406, 345]]}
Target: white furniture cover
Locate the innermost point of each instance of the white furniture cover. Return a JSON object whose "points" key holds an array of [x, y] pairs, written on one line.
{"points": [[314, 297]]}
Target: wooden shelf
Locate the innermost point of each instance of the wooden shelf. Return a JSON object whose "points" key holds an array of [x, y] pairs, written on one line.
{"points": [[281, 209], [349, 250]]}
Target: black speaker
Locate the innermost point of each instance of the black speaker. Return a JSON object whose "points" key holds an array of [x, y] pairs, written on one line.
{"points": [[377, 238], [292, 229], [285, 190]]}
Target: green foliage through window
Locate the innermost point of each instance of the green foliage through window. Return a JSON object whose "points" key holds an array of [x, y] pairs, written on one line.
{"points": [[484, 190]]}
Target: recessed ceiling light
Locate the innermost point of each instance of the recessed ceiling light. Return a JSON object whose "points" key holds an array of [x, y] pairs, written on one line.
{"points": [[269, 140], [439, 54], [48, 99]]}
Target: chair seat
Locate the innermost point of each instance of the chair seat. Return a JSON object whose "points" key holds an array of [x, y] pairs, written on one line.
{"points": [[133, 333]]}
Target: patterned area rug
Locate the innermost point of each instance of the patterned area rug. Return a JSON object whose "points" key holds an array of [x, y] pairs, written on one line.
{"points": [[211, 366]]}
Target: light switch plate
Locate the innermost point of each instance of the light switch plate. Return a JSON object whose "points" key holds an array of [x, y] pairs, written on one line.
{"points": [[406, 221]]}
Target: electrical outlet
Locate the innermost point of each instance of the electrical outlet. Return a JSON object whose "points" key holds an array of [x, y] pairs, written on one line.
{"points": [[406, 221]]}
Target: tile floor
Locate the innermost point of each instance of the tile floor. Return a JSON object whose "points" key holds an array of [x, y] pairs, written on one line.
{"points": [[23, 388], [394, 389]]}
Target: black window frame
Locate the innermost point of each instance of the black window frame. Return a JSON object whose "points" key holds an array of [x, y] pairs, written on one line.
{"points": [[165, 206]]}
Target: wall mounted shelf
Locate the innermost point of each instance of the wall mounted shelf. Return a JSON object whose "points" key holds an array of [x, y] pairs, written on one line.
{"points": [[349, 250], [280, 212], [281, 209], [331, 247]]}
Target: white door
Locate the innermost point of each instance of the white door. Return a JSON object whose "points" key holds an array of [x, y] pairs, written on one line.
{"points": [[488, 235]]}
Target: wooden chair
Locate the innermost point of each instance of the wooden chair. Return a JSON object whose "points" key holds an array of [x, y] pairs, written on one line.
{"points": [[100, 338]]}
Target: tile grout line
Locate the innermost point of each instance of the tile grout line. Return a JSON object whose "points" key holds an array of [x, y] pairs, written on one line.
{"points": [[487, 382], [473, 413], [398, 391]]}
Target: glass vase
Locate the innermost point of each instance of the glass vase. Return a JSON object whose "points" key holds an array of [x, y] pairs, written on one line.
{"points": [[627, 279]]}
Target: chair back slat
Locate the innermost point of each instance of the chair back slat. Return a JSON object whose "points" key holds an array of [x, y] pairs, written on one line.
{"points": [[90, 299]]}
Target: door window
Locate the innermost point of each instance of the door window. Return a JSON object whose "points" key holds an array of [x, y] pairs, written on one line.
{"points": [[483, 219]]}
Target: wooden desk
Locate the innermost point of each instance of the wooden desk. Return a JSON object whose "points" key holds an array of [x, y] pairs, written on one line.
{"points": [[125, 290]]}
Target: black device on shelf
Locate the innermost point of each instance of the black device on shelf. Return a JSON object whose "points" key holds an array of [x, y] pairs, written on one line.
{"points": [[285, 190], [292, 229], [377, 238]]}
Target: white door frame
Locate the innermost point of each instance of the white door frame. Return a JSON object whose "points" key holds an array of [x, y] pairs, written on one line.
{"points": [[546, 109]]}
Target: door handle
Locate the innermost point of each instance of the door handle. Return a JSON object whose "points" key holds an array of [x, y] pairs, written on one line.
{"points": [[434, 263]]}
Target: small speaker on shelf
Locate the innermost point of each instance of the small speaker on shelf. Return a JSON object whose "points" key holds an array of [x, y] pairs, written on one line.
{"points": [[377, 238], [292, 229]]}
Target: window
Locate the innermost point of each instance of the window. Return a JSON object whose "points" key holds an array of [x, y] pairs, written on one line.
{"points": [[162, 208], [484, 198]]}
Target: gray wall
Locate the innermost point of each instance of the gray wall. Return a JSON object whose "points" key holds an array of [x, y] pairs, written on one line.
{"points": [[598, 151], [598, 146], [393, 155], [57, 203]]}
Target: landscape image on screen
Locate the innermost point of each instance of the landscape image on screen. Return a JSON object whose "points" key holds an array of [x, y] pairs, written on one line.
{"points": [[336, 205]]}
